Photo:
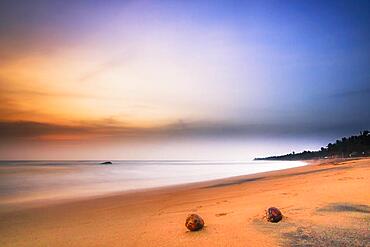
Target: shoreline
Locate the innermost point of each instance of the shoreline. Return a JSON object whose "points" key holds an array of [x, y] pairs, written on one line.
{"points": [[325, 196], [57, 195]]}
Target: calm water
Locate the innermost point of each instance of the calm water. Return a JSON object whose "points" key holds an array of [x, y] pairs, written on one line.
{"points": [[29, 181]]}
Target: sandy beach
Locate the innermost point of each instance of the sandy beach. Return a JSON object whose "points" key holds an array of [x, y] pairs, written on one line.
{"points": [[184, 123], [326, 203]]}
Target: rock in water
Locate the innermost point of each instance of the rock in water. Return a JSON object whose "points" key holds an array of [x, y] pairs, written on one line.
{"points": [[106, 163], [273, 215], [194, 222]]}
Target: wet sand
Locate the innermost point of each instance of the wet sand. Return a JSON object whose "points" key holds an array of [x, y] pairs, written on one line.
{"points": [[324, 203]]}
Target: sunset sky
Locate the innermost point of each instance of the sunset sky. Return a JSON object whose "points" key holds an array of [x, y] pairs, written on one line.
{"points": [[180, 79]]}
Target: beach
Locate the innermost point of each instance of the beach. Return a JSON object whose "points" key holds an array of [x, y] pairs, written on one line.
{"points": [[325, 203]]}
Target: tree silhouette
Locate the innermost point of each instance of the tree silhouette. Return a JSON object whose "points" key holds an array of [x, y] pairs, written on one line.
{"points": [[353, 146]]}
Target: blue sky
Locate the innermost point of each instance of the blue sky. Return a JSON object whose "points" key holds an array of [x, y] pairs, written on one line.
{"points": [[150, 72]]}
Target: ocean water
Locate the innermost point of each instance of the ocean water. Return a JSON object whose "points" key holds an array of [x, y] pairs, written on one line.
{"points": [[30, 181]]}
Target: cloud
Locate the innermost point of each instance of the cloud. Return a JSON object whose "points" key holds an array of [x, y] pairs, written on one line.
{"points": [[46, 131], [12, 104], [28, 129], [10, 89], [112, 129], [107, 65], [36, 93], [9, 107]]}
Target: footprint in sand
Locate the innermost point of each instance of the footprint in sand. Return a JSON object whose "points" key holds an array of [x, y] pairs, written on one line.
{"points": [[220, 214]]}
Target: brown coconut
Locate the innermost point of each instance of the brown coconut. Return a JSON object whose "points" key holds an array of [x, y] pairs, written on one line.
{"points": [[273, 215], [194, 222]]}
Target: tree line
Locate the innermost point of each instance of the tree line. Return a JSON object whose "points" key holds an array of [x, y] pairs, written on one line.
{"points": [[353, 146]]}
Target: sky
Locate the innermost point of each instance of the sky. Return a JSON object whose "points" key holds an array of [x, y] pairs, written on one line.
{"points": [[180, 79]]}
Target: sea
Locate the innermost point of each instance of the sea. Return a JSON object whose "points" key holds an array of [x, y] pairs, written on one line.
{"points": [[36, 181]]}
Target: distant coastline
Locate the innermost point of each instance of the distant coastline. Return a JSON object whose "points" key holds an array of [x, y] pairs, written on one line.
{"points": [[347, 147]]}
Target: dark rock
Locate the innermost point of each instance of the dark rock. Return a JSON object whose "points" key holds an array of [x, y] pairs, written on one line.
{"points": [[194, 222], [106, 163], [273, 215]]}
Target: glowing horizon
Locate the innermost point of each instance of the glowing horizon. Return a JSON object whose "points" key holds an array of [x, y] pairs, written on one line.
{"points": [[157, 70]]}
